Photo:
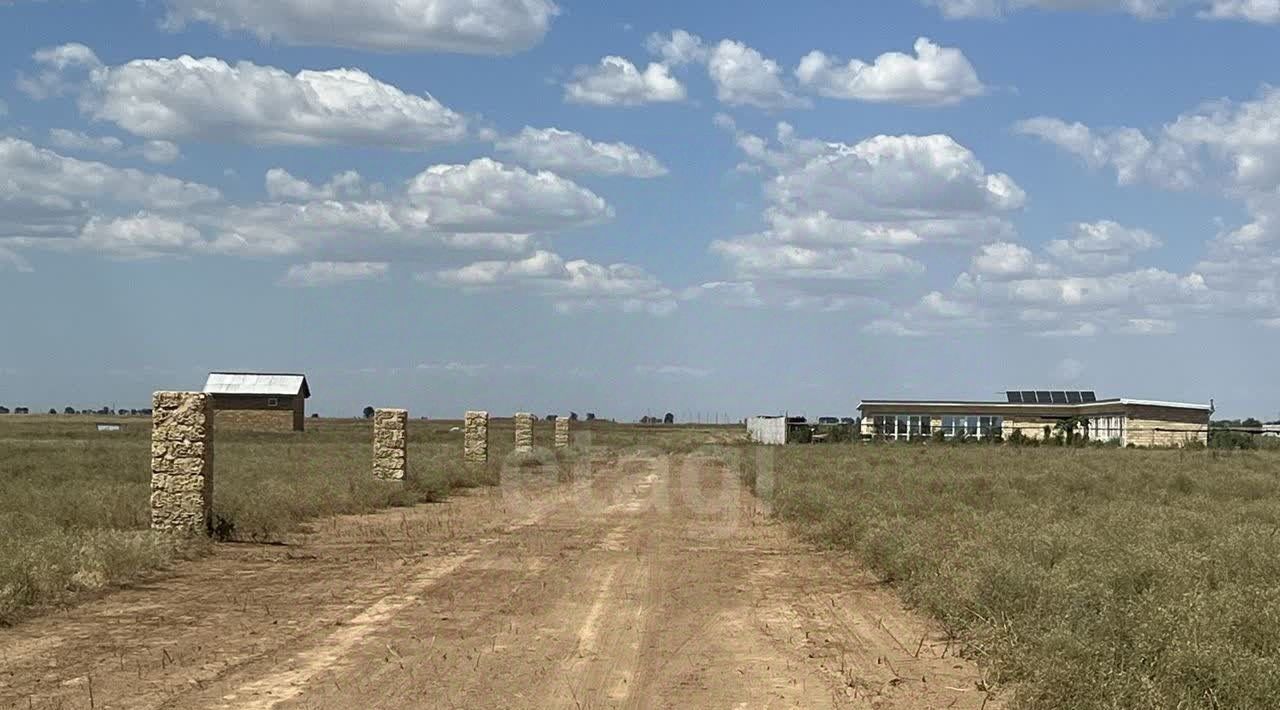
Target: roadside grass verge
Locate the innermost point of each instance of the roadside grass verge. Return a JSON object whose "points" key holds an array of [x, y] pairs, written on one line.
{"points": [[75, 504], [1081, 578]]}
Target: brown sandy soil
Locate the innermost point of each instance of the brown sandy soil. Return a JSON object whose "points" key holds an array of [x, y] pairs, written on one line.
{"points": [[650, 581]]}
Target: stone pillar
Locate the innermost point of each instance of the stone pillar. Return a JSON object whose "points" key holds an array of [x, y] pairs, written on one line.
{"points": [[390, 444], [182, 462], [562, 432], [475, 447], [524, 433]]}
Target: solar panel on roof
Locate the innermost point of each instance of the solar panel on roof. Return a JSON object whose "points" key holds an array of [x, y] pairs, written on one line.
{"points": [[1059, 397], [1014, 397], [1028, 397], [1044, 397], [1089, 396], [1074, 397]]}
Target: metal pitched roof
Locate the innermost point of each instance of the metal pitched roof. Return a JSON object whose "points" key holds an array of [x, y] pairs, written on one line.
{"points": [[281, 384]]}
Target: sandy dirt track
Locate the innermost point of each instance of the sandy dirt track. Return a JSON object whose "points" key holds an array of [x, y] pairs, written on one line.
{"points": [[645, 581]]}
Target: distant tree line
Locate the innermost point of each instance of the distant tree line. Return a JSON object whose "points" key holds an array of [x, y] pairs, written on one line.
{"points": [[1237, 434], [102, 412]]}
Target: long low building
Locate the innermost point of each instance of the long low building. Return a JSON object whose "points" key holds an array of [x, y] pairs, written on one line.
{"points": [[1037, 414]]}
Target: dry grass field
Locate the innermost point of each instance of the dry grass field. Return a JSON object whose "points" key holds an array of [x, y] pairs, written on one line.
{"points": [[637, 571], [74, 502], [1080, 578]]}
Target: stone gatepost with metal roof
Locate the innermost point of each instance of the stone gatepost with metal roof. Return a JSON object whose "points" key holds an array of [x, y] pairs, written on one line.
{"points": [[182, 462], [390, 444], [524, 433]]}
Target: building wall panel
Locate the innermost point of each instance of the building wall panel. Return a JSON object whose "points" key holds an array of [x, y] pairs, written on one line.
{"points": [[255, 420], [768, 430], [256, 413], [1165, 426]]}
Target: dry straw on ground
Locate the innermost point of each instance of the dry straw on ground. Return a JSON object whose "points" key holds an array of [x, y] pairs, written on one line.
{"points": [[75, 503], [1082, 578]]}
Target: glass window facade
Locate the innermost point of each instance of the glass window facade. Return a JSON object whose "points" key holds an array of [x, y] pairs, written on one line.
{"points": [[973, 426], [902, 426], [1106, 428], [898, 427]]}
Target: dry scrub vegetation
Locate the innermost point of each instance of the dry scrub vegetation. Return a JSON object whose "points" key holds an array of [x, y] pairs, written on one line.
{"points": [[1081, 578], [74, 503]]}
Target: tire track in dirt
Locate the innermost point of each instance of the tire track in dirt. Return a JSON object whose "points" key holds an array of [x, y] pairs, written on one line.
{"points": [[650, 581], [272, 690], [604, 660], [276, 689]]}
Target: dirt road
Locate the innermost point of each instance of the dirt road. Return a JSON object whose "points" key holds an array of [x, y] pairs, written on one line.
{"points": [[645, 581]]}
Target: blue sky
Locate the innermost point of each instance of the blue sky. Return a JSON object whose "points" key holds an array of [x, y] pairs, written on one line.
{"points": [[521, 204]]}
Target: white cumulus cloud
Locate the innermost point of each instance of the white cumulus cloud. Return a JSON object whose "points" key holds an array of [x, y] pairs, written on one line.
{"points": [[615, 81], [211, 100], [140, 236], [573, 284], [1258, 11], [1229, 148], [569, 152], [897, 177], [841, 215], [1103, 246], [677, 48], [479, 207], [745, 77], [281, 185], [159, 151], [1147, 9], [46, 194], [763, 258], [488, 196], [13, 261], [79, 141], [332, 273], [934, 76], [466, 26], [1005, 260], [1134, 156], [57, 65]]}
